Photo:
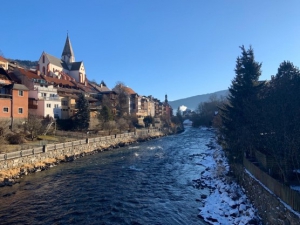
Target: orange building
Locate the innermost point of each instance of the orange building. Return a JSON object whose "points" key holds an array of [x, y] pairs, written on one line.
{"points": [[14, 102]]}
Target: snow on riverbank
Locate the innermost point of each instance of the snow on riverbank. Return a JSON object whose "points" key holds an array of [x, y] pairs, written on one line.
{"points": [[227, 203]]}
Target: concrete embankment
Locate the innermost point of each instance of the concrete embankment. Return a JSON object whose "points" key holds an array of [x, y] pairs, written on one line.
{"points": [[17, 164]]}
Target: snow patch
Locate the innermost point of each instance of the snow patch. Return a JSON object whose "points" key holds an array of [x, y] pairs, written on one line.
{"points": [[227, 203]]}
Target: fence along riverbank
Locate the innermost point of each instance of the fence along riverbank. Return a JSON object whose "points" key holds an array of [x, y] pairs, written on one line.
{"points": [[14, 164]]}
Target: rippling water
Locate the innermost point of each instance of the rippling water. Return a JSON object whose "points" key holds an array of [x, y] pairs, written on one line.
{"points": [[146, 183]]}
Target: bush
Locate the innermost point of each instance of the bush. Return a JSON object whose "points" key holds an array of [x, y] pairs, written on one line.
{"points": [[15, 139]]}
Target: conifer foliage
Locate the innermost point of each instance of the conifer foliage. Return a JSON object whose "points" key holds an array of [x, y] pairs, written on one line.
{"points": [[82, 117], [240, 114]]}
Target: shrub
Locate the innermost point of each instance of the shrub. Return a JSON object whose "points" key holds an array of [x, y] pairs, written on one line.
{"points": [[15, 139]]}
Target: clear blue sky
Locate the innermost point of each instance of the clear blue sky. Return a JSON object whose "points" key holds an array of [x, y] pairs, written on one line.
{"points": [[156, 47]]}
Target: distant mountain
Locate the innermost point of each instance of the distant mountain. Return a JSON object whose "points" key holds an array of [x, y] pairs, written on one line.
{"points": [[193, 102]]}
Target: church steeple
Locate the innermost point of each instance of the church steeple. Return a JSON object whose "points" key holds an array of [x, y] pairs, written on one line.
{"points": [[68, 54]]}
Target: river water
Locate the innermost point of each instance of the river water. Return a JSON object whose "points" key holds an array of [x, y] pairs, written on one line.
{"points": [[145, 183]]}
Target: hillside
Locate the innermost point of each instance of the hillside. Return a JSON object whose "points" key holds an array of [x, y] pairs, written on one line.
{"points": [[193, 102], [25, 63]]}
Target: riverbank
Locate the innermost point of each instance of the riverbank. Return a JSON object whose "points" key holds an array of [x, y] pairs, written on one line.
{"points": [[227, 203], [11, 170]]}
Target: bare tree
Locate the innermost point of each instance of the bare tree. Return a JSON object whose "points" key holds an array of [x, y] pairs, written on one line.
{"points": [[4, 130], [110, 126], [123, 98], [34, 126], [122, 124]]}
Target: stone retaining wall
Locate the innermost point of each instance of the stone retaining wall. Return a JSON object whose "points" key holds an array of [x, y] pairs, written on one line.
{"points": [[270, 208], [30, 160]]}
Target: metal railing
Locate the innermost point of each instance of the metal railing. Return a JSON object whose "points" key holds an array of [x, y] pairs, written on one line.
{"points": [[5, 96]]}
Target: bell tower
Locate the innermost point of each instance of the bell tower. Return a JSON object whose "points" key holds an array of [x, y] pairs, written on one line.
{"points": [[68, 55]]}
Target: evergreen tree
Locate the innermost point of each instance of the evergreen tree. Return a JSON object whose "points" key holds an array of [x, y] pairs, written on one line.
{"points": [[281, 125], [82, 117], [239, 116], [105, 115], [179, 115], [103, 83], [148, 120]]}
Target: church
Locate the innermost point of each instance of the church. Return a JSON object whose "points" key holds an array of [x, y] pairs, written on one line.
{"points": [[65, 68]]}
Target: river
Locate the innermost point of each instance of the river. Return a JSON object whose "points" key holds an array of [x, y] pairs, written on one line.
{"points": [[145, 183]]}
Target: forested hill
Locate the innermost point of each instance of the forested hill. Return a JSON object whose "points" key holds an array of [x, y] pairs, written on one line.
{"points": [[193, 102], [25, 63]]}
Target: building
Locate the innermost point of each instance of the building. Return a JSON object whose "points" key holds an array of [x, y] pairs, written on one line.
{"points": [[14, 103], [105, 96], [127, 103], [43, 97], [3, 63], [4, 77], [66, 66]]}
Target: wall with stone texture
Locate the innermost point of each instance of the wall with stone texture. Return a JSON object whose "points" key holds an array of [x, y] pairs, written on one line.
{"points": [[270, 208], [69, 149]]}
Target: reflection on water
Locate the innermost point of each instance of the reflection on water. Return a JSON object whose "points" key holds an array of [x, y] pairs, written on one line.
{"points": [[148, 183]]}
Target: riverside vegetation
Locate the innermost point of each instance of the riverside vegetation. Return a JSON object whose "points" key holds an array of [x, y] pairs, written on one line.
{"points": [[258, 118], [257, 125]]}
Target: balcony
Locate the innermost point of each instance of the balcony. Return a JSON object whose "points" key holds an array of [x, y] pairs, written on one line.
{"points": [[95, 105], [5, 96], [73, 106], [32, 106], [52, 90], [56, 98]]}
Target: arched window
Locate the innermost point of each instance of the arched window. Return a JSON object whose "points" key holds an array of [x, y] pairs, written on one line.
{"points": [[44, 70], [43, 58]]}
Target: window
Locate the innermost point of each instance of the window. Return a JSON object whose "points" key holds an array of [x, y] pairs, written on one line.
{"points": [[55, 105], [43, 58], [21, 93], [65, 103], [5, 109], [48, 105], [20, 110]]}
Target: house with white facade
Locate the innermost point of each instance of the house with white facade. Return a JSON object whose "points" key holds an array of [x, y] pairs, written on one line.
{"points": [[43, 98], [48, 102]]}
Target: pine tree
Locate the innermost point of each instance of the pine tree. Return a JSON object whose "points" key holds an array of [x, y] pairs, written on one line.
{"points": [[82, 117], [281, 124], [105, 115], [239, 115]]}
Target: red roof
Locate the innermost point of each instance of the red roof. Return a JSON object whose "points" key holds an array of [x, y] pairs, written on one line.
{"points": [[29, 73], [58, 81], [3, 59], [128, 90]]}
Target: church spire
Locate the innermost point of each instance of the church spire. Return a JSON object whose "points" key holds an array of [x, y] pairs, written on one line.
{"points": [[68, 54]]}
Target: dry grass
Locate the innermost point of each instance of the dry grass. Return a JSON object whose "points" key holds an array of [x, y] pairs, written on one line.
{"points": [[16, 171], [48, 138], [9, 148], [9, 173], [60, 158]]}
